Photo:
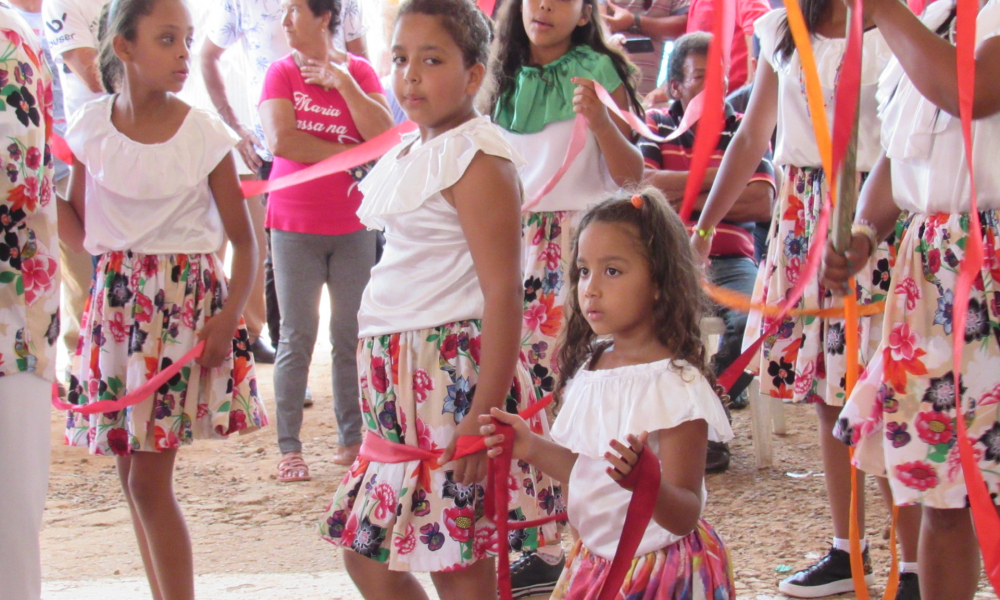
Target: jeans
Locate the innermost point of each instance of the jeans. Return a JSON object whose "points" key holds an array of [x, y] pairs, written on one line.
{"points": [[736, 273]]}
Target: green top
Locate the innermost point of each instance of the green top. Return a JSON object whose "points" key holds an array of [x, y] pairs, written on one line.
{"points": [[545, 94]]}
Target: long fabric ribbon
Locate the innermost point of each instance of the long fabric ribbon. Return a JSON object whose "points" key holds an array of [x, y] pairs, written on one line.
{"points": [[136, 396], [640, 509], [985, 518], [713, 113], [348, 159]]}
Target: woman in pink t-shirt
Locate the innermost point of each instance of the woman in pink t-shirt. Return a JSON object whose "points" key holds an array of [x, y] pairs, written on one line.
{"points": [[318, 102]]}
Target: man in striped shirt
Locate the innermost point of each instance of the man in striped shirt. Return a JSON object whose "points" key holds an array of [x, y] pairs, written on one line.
{"points": [[667, 167]]}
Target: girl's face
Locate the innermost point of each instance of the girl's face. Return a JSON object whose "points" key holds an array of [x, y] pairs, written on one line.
{"points": [[431, 82], [159, 56], [615, 290], [550, 23], [301, 26]]}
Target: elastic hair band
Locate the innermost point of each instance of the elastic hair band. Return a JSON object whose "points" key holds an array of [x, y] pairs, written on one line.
{"points": [[637, 201]]}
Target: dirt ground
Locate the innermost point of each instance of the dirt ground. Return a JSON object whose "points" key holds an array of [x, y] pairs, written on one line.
{"points": [[257, 537]]}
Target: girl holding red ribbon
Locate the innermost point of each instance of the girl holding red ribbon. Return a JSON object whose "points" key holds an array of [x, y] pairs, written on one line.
{"points": [[902, 416], [161, 189], [546, 58], [803, 358], [643, 394], [439, 323]]}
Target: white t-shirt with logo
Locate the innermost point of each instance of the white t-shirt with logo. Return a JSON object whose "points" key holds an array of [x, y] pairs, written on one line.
{"points": [[72, 24], [257, 23]]}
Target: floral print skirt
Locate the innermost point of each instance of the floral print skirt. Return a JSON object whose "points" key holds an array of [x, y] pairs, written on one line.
{"points": [[416, 387], [804, 361], [547, 250], [901, 416], [143, 314], [695, 567]]}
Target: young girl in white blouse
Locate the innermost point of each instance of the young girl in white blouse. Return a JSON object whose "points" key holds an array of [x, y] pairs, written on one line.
{"points": [[439, 323], [160, 189], [632, 279], [804, 360]]}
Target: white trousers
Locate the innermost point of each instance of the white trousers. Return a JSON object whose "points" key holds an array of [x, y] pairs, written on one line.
{"points": [[25, 447]]}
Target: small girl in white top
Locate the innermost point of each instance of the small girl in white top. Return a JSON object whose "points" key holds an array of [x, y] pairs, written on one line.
{"points": [[802, 359], [160, 189], [632, 279], [902, 417], [439, 325]]}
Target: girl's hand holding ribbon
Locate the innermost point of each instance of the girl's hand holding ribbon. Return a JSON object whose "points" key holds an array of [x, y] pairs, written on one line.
{"points": [[586, 103], [627, 457], [838, 268], [522, 434]]}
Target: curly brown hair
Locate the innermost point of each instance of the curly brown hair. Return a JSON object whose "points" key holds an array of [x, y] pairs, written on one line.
{"points": [[677, 315]]}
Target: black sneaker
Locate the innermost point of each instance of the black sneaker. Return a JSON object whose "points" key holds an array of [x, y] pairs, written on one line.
{"points": [[530, 575], [909, 587], [831, 575], [717, 459]]}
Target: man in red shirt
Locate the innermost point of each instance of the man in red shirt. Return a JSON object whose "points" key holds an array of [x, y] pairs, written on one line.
{"points": [[701, 17]]}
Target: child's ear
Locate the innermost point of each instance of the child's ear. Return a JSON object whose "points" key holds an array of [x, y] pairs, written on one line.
{"points": [[121, 47], [585, 15], [476, 75]]}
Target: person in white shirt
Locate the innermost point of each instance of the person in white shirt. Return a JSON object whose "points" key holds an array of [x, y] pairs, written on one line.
{"points": [[71, 31]]}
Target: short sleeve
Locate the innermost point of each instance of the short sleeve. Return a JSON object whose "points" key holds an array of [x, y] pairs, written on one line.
{"points": [[352, 19], [989, 20], [749, 11], [365, 75], [605, 74], [767, 29], [276, 83], [67, 27], [219, 139], [224, 23], [765, 170]]}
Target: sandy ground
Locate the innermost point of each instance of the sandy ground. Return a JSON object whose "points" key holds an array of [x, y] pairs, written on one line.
{"points": [[256, 538]]}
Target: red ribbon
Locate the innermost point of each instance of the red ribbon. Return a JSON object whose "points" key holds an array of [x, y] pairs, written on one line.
{"points": [[60, 149], [135, 397], [984, 514], [640, 508], [713, 115], [348, 159]]}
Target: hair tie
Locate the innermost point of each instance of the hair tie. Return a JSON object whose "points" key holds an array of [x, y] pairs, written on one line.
{"points": [[637, 201]]}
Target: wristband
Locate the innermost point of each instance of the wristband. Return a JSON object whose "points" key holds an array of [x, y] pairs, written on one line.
{"points": [[636, 24], [867, 229], [705, 234]]}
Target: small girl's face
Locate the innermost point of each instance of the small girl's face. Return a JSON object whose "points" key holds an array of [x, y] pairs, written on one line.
{"points": [[615, 290], [550, 23], [159, 56], [430, 79]]}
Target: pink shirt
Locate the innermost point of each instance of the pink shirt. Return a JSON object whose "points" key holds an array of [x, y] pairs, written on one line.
{"points": [[328, 205]]}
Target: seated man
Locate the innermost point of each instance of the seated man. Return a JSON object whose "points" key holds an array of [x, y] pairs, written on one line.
{"points": [[667, 167]]}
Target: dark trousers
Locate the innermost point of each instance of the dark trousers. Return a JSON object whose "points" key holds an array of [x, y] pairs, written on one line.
{"points": [[273, 314], [736, 273]]}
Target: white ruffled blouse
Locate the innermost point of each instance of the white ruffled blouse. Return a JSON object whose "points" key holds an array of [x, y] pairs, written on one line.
{"points": [[426, 277], [609, 404], [929, 173], [150, 198], [796, 142]]}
